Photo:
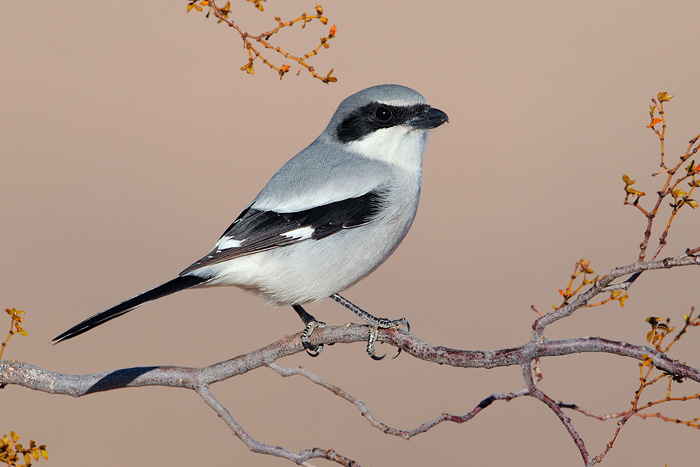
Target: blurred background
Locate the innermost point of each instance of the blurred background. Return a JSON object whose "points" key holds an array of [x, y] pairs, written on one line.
{"points": [[130, 139]]}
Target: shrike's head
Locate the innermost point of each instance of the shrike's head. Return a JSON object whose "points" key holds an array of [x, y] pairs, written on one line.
{"points": [[387, 122]]}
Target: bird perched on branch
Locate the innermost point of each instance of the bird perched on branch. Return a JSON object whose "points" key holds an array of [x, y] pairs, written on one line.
{"points": [[330, 216]]}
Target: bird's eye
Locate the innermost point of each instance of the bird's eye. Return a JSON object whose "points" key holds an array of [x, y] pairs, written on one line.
{"points": [[383, 114]]}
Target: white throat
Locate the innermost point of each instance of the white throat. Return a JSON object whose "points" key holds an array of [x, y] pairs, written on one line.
{"points": [[398, 145]]}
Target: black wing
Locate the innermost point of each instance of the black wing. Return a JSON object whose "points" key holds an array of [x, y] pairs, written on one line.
{"points": [[258, 230]]}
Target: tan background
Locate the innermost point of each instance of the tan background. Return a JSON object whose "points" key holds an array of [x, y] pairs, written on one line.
{"points": [[129, 140]]}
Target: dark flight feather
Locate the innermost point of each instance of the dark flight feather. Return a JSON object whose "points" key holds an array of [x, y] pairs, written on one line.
{"points": [[175, 285], [264, 230]]}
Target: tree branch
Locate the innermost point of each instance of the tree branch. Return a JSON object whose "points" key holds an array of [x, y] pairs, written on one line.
{"points": [[384, 428], [261, 448], [199, 379], [602, 285]]}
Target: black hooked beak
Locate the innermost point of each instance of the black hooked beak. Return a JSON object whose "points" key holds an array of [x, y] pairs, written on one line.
{"points": [[431, 118]]}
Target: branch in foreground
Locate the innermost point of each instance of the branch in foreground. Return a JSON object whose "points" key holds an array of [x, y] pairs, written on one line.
{"points": [[34, 377], [199, 379]]}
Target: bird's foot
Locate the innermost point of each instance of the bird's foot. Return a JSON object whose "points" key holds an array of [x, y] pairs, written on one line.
{"points": [[312, 350], [374, 323], [311, 324]]}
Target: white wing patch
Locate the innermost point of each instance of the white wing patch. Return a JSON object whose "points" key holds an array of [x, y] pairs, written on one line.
{"points": [[228, 242], [302, 233]]}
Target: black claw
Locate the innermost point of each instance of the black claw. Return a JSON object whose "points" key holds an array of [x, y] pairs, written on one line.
{"points": [[314, 351], [398, 352], [373, 322]]}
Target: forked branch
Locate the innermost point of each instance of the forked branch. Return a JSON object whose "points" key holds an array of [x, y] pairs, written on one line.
{"points": [[199, 379], [256, 43]]}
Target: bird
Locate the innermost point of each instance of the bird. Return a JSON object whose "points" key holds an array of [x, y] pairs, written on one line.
{"points": [[326, 219]]}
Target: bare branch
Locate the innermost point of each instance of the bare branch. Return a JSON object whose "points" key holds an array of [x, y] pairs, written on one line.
{"points": [[199, 379], [261, 448], [601, 285], [405, 434], [549, 402]]}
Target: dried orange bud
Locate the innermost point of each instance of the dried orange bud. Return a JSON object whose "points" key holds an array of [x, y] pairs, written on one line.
{"points": [[653, 122]]}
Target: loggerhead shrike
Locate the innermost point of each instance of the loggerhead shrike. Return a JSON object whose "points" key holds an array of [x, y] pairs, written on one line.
{"points": [[326, 219]]}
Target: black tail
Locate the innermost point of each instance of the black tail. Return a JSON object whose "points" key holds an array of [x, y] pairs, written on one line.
{"points": [[175, 285]]}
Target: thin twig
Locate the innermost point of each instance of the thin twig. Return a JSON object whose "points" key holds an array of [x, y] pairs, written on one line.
{"points": [[604, 282], [384, 428], [549, 402], [299, 457]]}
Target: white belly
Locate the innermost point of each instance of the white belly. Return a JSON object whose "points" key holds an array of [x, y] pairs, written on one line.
{"points": [[312, 270]]}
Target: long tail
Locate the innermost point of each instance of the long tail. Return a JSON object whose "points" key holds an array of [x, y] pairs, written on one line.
{"points": [[175, 285]]}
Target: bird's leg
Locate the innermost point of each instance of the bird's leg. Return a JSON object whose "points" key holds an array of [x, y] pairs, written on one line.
{"points": [[311, 324], [374, 324]]}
